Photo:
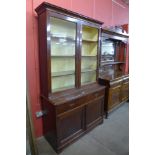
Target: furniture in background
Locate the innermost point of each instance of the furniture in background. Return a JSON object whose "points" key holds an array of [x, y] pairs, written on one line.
{"points": [[112, 68], [72, 99]]}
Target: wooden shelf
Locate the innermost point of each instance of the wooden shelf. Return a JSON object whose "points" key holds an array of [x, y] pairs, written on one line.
{"points": [[67, 38], [89, 41], [113, 76], [62, 56], [111, 63], [63, 73], [87, 70], [89, 55]]}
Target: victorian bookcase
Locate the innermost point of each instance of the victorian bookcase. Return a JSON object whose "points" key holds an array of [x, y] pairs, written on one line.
{"points": [[72, 99]]}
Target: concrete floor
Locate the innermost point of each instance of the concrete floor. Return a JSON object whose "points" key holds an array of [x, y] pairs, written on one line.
{"points": [[110, 138]]}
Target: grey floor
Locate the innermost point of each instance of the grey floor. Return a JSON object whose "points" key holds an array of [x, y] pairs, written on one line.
{"points": [[110, 138]]}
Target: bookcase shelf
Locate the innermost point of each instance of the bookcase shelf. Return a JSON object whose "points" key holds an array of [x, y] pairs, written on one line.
{"points": [[62, 38], [63, 73]]}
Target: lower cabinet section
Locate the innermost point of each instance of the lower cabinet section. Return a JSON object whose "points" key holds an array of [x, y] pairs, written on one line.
{"points": [[75, 117], [117, 92]]}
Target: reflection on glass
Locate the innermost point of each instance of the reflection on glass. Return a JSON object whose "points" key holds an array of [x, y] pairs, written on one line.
{"points": [[63, 82], [60, 64], [108, 50], [89, 49], [63, 28], [88, 77], [89, 63], [89, 33], [89, 54], [63, 34]]}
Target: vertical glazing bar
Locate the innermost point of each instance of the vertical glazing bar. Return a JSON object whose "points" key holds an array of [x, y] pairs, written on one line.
{"points": [[78, 55]]}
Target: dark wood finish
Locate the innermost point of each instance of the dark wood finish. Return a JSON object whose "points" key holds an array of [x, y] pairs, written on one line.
{"points": [[74, 114], [114, 34], [112, 73], [45, 5], [117, 92], [114, 96], [94, 112], [43, 58], [70, 123], [125, 90], [70, 113]]}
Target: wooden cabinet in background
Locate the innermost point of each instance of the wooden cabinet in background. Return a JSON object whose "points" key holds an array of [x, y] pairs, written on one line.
{"points": [[72, 99], [114, 96], [125, 90], [112, 68], [117, 92]]}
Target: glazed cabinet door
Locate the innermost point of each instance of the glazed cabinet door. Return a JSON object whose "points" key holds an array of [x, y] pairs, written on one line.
{"points": [[94, 112], [70, 124], [125, 91], [62, 53], [114, 96], [89, 53]]}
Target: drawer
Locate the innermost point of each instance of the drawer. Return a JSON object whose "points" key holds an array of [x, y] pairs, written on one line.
{"points": [[91, 97], [115, 83], [95, 95], [78, 102], [67, 106]]}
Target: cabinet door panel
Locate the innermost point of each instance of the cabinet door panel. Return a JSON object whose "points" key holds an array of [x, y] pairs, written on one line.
{"points": [[94, 111], [89, 54], [70, 124], [125, 91], [114, 96], [62, 46]]}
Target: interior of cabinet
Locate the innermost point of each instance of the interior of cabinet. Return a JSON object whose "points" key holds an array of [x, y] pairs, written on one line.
{"points": [[63, 34], [112, 58], [89, 54], [63, 51]]}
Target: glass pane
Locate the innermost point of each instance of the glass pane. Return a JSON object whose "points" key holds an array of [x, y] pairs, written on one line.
{"points": [[108, 50], [63, 34], [63, 82], [89, 63], [89, 48], [89, 33], [88, 77], [89, 54]]}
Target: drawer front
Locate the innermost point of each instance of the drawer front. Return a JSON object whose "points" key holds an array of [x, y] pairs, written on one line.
{"points": [[115, 83], [67, 106], [95, 95], [90, 97], [79, 102]]}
